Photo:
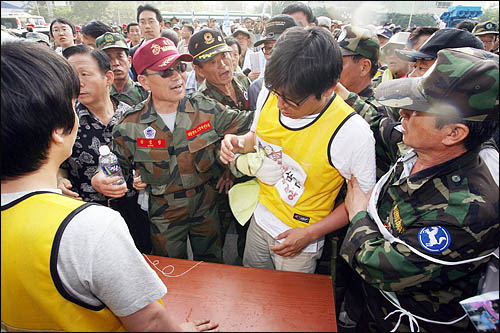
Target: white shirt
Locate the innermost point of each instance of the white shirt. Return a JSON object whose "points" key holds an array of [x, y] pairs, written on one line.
{"points": [[352, 152]]}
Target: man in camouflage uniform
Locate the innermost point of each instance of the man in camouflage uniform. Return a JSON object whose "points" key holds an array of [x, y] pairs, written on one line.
{"points": [[170, 139], [422, 240], [228, 88], [123, 88], [487, 32]]}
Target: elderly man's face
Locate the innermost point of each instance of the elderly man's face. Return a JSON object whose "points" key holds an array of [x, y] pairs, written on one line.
{"points": [[93, 83], [169, 89], [419, 130], [120, 63], [351, 72], [218, 70], [395, 64]]}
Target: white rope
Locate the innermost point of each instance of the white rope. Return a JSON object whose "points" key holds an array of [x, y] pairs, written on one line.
{"points": [[169, 274]]}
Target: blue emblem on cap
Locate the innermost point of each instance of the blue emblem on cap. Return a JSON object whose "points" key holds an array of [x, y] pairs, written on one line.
{"points": [[434, 239]]}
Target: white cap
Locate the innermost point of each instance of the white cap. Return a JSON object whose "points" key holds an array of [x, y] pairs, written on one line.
{"points": [[104, 150]]}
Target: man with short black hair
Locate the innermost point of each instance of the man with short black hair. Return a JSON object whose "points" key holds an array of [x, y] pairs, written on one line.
{"points": [[419, 35], [63, 33], [84, 272], [133, 34], [301, 12], [421, 241], [308, 140], [151, 24], [92, 30]]}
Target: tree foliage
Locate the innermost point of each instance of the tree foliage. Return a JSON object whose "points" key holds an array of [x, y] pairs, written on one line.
{"points": [[490, 14]]}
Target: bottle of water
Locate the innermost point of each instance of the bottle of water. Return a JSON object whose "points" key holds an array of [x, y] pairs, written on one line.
{"points": [[109, 164]]}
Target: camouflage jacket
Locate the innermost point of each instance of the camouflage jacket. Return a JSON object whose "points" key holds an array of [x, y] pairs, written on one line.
{"points": [[240, 83], [179, 161], [384, 129], [133, 93], [457, 203]]}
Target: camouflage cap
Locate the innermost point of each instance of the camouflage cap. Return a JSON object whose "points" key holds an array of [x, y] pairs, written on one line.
{"points": [[462, 80], [447, 38], [206, 44], [37, 37], [157, 54], [110, 40], [485, 28], [355, 40]]}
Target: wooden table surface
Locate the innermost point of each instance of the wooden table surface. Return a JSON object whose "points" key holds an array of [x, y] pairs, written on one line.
{"points": [[247, 299]]}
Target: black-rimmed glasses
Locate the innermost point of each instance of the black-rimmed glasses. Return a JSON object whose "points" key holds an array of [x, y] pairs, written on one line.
{"points": [[180, 68], [289, 101]]}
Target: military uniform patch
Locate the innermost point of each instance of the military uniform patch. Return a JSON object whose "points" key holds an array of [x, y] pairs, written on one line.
{"points": [[434, 239], [149, 133]]}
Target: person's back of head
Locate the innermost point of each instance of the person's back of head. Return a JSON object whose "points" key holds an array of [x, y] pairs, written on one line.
{"points": [[95, 29], [170, 34], [299, 7], [466, 25], [304, 62], [38, 90]]}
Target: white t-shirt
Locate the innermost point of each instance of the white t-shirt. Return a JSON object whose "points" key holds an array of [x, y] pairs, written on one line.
{"points": [[352, 152], [98, 261]]}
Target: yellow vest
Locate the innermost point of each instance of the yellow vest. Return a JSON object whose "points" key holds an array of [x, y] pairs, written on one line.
{"points": [[33, 297], [310, 184]]}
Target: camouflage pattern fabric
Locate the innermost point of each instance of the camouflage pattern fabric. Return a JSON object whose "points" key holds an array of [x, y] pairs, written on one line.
{"points": [[463, 81], [361, 41], [484, 28], [132, 94], [177, 168], [448, 211], [444, 196], [241, 83]]}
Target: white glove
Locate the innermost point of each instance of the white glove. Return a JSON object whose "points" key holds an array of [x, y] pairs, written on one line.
{"points": [[269, 172]]}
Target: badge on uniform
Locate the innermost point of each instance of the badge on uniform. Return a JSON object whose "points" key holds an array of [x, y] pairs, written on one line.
{"points": [[434, 239], [149, 133]]}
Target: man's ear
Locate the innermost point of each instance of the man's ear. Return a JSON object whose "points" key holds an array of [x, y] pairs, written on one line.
{"points": [[58, 136], [366, 66], [110, 77], [456, 133], [144, 82]]}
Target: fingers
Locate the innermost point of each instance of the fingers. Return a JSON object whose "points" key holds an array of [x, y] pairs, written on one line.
{"points": [[206, 325]]}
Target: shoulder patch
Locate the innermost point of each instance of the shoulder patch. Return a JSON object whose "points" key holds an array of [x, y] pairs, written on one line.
{"points": [[434, 239]]}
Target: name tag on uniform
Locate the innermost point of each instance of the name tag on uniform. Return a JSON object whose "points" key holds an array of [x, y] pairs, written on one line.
{"points": [[150, 143], [203, 127]]}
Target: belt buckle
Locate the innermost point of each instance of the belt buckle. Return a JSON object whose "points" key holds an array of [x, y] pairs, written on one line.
{"points": [[109, 202]]}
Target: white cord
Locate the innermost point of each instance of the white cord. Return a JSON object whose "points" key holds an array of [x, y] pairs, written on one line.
{"points": [[169, 274]]}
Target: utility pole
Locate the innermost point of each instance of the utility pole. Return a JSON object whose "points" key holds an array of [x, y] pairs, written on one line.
{"points": [[411, 14], [49, 9]]}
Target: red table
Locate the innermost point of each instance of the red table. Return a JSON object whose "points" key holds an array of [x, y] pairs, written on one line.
{"points": [[247, 299]]}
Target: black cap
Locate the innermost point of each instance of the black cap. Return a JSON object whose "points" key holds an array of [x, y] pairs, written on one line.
{"points": [[206, 44], [276, 26], [442, 39]]}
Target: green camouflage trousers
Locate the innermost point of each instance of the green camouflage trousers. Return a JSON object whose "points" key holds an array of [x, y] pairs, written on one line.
{"points": [[202, 226]]}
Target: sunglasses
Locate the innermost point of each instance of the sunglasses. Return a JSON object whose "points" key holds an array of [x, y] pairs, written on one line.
{"points": [[180, 68], [289, 101], [390, 50]]}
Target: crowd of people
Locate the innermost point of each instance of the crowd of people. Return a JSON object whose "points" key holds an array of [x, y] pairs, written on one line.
{"points": [[293, 129]]}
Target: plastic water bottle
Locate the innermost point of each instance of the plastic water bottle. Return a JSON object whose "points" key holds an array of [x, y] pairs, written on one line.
{"points": [[109, 164]]}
